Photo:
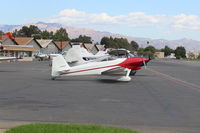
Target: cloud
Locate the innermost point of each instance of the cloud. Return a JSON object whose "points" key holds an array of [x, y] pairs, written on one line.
{"points": [[133, 19], [72, 16], [137, 19], [187, 22]]}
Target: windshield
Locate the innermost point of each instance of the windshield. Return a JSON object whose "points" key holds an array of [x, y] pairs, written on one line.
{"points": [[105, 58]]}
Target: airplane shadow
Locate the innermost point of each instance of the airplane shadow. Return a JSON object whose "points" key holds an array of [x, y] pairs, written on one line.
{"points": [[109, 81], [142, 75], [71, 79], [7, 71]]}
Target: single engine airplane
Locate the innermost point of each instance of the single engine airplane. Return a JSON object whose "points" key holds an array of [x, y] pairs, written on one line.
{"points": [[79, 55], [119, 67]]}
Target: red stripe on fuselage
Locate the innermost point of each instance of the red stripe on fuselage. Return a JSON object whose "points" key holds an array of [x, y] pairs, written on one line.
{"points": [[88, 69]]}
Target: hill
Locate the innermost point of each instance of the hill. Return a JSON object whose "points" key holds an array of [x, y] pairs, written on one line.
{"points": [[189, 44]]}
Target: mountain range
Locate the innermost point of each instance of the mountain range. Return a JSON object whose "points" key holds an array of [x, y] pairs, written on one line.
{"points": [[73, 32]]}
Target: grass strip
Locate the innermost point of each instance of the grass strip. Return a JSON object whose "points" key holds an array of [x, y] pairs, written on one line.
{"points": [[62, 128]]}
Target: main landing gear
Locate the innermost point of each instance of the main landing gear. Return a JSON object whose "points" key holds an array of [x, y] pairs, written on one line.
{"points": [[127, 77]]}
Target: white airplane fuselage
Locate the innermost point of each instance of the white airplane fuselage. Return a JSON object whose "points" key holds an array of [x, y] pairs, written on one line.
{"points": [[93, 68]]}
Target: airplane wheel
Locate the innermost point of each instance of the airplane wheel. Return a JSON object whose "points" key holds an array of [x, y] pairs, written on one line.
{"points": [[124, 79], [53, 78], [133, 72]]}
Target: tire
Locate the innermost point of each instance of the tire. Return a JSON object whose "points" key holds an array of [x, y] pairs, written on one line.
{"points": [[53, 78], [133, 72]]}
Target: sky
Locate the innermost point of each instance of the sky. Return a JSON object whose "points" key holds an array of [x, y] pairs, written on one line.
{"points": [[155, 19]]}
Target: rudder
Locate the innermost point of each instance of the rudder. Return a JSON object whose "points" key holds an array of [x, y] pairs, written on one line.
{"points": [[59, 65]]}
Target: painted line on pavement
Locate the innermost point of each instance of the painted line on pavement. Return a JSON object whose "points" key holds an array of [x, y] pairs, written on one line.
{"points": [[176, 80]]}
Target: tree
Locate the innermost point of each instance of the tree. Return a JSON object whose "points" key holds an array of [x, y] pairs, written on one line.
{"points": [[167, 51], [123, 43], [108, 42], [61, 35], [37, 36], [134, 45], [27, 31], [150, 48], [180, 52], [1, 32], [140, 51], [148, 51], [116, 43], [83, 39], [46, 35], [15, 33], [104, 40], [34, 30]]}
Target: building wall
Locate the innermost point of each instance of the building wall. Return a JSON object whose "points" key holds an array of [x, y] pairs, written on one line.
{"points": [[192, 55], [159, 55], [50, 49], [8, 42], [94, 50], [35, 46]]}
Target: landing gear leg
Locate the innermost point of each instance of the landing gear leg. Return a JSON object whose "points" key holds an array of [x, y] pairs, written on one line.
{"points": [[127, 77], [128, 73]]}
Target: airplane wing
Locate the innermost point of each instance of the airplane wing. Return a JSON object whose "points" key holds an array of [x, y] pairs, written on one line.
{"points": [[119, 71]]}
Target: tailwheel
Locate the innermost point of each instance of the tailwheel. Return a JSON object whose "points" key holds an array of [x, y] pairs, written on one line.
{"points": [[53, 78]]}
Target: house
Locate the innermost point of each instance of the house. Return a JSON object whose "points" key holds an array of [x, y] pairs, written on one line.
{"points": [[192, 55], [48, 46], [159, 55], [100, 47], [6, 40], [17, 51], [90, 47], [171, 56], [63, 45], [28, 41], [2, 38], [17, 48]]}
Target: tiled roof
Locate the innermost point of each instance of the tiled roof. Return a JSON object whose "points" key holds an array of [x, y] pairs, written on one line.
{"points": [[88, 46], [23, 40], [2, 38], [43, 43], [100, 47], [61, 45]]}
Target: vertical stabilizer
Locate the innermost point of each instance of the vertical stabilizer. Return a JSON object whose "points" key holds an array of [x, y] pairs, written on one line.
{"points": [[74, 55], [59, 65]]}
